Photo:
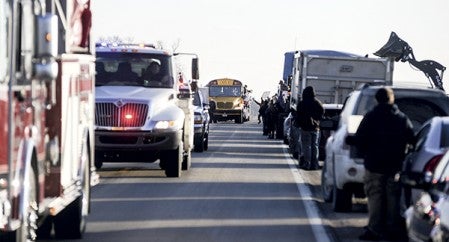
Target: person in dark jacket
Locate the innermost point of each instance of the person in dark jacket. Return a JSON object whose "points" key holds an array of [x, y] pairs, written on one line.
{"points": [[382, 138], [262, 110], [271, 116], [260, 107], [309, 113]]}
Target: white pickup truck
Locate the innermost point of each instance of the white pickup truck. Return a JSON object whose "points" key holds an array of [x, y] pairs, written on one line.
{"points": [[142, 114]]}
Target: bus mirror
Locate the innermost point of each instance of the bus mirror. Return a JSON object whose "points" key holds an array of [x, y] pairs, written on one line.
{"points": [[195, 69]]}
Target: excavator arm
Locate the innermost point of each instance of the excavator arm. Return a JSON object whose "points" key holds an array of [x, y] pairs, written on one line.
{"points": [[399, 50]]}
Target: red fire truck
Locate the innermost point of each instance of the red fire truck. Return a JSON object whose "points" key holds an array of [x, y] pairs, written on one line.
{"points": [[46, 118]]}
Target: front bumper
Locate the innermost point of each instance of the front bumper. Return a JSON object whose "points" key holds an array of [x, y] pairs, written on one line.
{"points": [[137, 140], [227, 114]]}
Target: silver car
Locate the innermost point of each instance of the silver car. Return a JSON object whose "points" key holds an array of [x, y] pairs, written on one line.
{"points": [[432, 143], [427, 219]]}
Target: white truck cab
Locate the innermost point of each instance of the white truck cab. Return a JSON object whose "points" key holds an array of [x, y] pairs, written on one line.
{"points": [[142, 114]]}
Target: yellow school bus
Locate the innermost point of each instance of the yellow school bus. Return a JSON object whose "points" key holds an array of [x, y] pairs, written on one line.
{"points": [[229, 100]]}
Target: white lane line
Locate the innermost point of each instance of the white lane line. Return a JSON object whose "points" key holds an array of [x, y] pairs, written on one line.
{"points": [[309, 203]]}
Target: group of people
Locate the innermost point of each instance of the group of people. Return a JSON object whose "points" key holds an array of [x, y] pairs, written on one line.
{"points": [[307, 117], [268, 115], [382, 138]]}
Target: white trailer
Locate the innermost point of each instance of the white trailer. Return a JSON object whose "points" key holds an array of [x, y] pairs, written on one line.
{"points": [[335, 74]]}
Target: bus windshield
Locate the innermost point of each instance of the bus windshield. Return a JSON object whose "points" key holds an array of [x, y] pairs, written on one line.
{"points": [[225, 91]]}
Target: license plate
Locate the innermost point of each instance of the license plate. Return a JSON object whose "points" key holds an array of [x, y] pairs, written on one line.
{"points": [[224, 115]]}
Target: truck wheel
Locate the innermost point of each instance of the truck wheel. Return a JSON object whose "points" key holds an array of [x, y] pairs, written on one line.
{"points": [[187, 161], [206, 142], [27, 230], [199, 144], [70, 223], [342, 200], [239, 120], [67, 222], [98, 162], [172, 161], [326, 187]]}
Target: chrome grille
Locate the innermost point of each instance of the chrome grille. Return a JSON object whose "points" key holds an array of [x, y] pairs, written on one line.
{"points": [[224, 105], [128, 115]]}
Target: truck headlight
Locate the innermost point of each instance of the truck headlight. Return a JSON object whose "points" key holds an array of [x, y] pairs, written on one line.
{"points": [[168, 124]]}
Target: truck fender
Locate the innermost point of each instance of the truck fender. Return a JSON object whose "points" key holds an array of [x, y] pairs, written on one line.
{"points": [[26, 167]]}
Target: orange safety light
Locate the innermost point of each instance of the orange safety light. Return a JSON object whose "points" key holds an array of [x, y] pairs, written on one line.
{"points": [[48, 37]]}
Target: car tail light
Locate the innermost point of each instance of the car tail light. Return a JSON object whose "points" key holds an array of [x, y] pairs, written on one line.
{"points": [[432, 163]]}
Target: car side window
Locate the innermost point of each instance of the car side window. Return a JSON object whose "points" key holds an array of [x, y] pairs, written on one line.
{"points": [[444, 143], [421, 136], [349, 107]]}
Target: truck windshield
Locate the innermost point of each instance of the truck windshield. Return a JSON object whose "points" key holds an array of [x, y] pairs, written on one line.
{"points": [[225, 91], [133, 69]]}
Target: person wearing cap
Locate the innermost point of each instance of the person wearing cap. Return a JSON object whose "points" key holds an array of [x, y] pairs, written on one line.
{"points": [[382, 139]]}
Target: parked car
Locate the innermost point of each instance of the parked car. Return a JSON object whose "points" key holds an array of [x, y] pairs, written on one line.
{"points": [[286, 127], [432, 142], [201, 122], [428, 218], [343, 170]]}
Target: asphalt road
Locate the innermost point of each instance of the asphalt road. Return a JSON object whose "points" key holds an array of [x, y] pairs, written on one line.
{"points": [[244, 188]]}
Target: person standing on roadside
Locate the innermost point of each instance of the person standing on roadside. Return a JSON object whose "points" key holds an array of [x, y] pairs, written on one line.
{"points": [[271, 114], [309, 113], [260, 106], [382, 139]]}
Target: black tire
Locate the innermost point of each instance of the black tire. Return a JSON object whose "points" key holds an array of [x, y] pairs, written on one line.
{"points": [[239, 120], [27, 230], [199, 144], [295, 155], [98, 162], [206, 142], [342, 200], [187, 161], [326, 189], [44, 230], [172, 161], [70, 223], [67, 223]]}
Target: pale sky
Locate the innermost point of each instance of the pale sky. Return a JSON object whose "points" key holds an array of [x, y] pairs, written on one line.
{"points": [[247, 39]]}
